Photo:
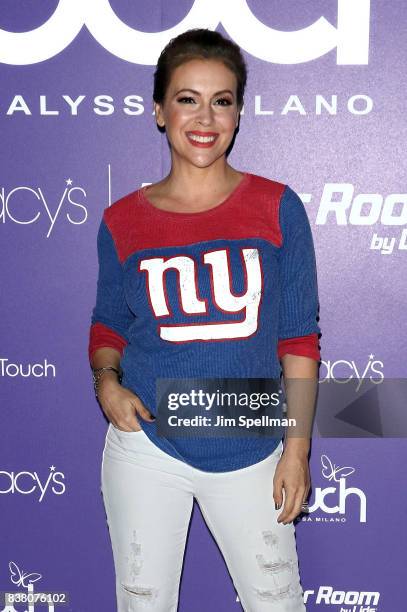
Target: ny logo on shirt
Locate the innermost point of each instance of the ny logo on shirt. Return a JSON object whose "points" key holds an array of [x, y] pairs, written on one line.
{"points": [[224, 300]]}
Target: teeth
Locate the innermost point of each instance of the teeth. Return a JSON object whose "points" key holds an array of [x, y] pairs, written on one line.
{"points": [[201, 138]]}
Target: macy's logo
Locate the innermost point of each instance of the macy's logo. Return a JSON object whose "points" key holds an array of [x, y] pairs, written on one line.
{"points": [[350, 37], [27, 483]]}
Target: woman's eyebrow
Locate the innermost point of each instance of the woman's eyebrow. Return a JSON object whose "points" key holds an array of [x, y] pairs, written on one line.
{"points": [[198, 93]]}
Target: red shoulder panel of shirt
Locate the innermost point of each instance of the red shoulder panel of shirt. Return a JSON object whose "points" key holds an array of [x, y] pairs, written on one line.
{"points": [[134, 225]]}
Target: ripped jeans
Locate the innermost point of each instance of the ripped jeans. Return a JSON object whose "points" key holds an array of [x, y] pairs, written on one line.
{"points": [[148, 497]]}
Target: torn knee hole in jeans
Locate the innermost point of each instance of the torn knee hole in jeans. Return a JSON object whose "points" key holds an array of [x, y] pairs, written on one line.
{"points": [[276, 594], [279, 570], [143, 593], [135, 564], [274, 567]]}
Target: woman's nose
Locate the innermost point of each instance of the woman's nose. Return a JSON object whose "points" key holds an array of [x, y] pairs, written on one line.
{"points": [[205, 115]]}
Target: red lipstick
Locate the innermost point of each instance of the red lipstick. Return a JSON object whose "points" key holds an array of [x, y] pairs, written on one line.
{"points": [[202, 139]]}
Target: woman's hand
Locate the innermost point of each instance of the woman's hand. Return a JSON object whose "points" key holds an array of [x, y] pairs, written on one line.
{"points": [[292, 473], [120, 405]]}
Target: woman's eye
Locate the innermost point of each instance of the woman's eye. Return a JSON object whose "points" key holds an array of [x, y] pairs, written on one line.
{"points": [[185, 100], [224, 101]]}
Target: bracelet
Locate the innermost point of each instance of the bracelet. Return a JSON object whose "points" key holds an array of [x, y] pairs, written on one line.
{"points": [[97, 373]]}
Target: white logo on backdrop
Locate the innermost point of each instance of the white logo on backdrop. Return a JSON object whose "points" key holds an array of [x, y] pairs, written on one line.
{"points": [[13, 208], [340, 205], [343, 370], [9, 369], [350, 37], [31, 600], [27, 483], [340, 202], [330, 471], [133, 105], [356, 601], [21, 578]]}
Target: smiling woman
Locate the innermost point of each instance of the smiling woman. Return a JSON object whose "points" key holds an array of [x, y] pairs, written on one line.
{"points": [[205, 104], [200, 114], [198, 102], [207, 274]]}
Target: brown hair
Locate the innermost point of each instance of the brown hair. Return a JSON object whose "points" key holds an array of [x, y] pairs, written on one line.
{"points": [[199, 43]]}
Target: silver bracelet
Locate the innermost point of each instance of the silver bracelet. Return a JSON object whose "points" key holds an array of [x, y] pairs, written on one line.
{"points": [[97, 373]]}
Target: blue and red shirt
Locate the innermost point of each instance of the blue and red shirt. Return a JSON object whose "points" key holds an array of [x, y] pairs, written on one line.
{"points": [[225, 292]]}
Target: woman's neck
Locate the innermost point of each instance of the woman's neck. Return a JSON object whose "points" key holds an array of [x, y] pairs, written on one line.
{"points": [[200, 186]]}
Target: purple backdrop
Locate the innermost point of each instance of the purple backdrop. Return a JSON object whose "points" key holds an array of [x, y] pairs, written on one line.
{"points": [[324, 112]]}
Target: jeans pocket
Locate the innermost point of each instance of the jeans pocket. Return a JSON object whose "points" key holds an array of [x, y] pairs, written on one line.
{"points": [[125, 433]]}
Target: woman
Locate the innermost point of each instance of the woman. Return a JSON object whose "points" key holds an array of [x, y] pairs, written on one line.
{"points": [[208, 273]]}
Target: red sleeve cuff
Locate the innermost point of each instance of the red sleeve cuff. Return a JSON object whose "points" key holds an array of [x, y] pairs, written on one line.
{"points": [[101, 336], [305, 346]]}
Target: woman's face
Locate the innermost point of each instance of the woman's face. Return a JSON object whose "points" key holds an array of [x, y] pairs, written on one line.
{"points": [[200, 112]]}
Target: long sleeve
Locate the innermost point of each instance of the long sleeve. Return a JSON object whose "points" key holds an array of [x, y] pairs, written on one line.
{"points": [[298, 328], [111, 316]]}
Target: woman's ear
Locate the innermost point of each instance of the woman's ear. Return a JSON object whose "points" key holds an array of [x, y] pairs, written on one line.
{"points": [[159, 115]]}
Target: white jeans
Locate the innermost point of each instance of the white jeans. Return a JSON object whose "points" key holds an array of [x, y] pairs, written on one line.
{"points": [[148, 497]]}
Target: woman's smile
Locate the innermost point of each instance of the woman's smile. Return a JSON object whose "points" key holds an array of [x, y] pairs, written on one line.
{"points": [[202, 139]]}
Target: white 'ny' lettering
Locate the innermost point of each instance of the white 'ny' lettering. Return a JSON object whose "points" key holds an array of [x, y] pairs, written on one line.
{"points": [[247, 303]]}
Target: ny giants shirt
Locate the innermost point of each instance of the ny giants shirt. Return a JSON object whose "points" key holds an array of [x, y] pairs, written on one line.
{"points": [[224, 292]]}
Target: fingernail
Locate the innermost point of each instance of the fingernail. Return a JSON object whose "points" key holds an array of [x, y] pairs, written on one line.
{"points": [[277, 506]]}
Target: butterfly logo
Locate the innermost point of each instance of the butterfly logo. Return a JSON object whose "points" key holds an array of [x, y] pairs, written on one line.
{"points": [[21, 578], [331, 471]]}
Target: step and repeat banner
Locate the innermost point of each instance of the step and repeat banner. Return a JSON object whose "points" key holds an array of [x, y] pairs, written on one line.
{"points": [[324, 112]]}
